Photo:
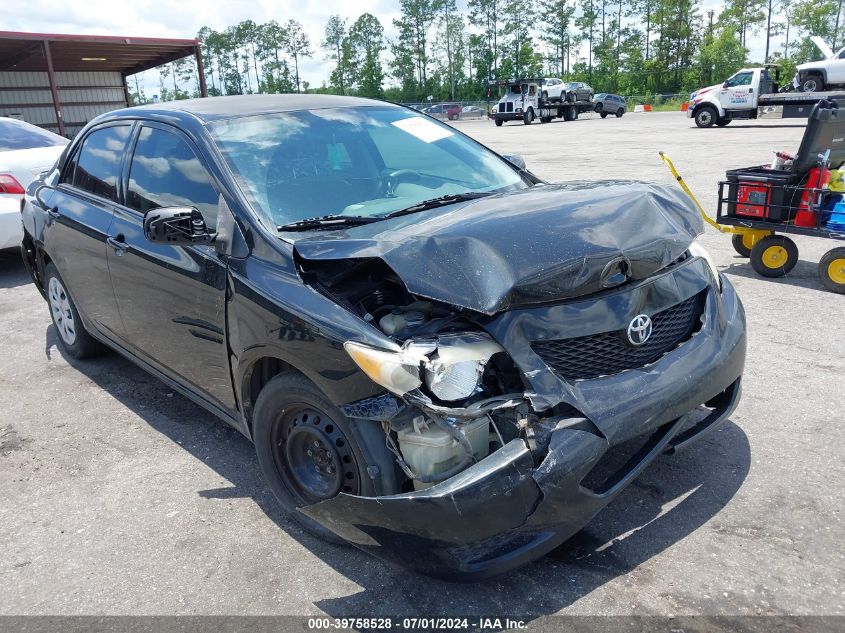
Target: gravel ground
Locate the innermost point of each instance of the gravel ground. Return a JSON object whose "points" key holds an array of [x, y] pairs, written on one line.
{"points": [[121, 497]]}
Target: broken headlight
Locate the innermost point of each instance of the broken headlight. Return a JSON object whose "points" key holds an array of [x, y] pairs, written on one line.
{"points": [[454, 370], [397, 369], [451, 364]]}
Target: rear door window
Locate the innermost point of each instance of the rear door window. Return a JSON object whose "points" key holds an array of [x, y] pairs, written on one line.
{"points": [[96, 166], [166, 172]]}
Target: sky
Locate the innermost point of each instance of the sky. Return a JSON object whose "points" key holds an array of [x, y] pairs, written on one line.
{"points": [[183, 18]]}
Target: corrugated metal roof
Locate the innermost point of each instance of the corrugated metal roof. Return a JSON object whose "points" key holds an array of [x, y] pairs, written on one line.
{"points": [[127, 55]]}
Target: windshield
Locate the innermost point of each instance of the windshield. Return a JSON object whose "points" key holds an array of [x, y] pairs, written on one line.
{"points": [[16, 134], [367, 161]]}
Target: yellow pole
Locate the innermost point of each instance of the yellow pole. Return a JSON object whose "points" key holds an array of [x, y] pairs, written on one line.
{"points": [[752, 235]]}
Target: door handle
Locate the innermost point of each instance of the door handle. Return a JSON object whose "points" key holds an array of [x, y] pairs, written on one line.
{"points": [[118, 243], [52, 215]]}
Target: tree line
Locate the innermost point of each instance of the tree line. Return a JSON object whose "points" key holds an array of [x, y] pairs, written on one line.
{"points": [[631, 47]]}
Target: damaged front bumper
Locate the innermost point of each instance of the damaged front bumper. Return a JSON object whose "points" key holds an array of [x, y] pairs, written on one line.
{"points": [[518, 504]]}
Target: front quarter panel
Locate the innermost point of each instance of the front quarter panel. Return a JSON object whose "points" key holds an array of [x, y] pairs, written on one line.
{"points": [[272, 313]]}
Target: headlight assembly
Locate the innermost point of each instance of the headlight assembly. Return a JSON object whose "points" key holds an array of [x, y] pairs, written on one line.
{"points": [[397, 370], [697, 250], [451, 364], [454, 370]]}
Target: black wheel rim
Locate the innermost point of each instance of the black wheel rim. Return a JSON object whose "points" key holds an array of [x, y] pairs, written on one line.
{"points": [[313, 456]]}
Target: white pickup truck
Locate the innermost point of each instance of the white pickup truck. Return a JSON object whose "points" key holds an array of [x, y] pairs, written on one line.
{"points": [[743, 93]]}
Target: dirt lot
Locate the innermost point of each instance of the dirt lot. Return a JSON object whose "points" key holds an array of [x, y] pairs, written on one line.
{"points": [[121, 497]]}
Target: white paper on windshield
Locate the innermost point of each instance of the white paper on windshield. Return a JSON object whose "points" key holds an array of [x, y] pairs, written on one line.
{"points": [[423, 129]]}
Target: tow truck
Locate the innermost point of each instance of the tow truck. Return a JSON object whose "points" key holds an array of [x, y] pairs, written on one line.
{"points": [[522, 101], [746, 93]]}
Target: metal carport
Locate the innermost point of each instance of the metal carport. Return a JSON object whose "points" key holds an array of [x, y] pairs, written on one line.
{"points": [[61, 82]]}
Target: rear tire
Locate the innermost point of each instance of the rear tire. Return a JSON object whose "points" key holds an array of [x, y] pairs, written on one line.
{"points": [[774, 256], [706, 116], [603, 115], [73, 337], [308, 451], [832, 270]]}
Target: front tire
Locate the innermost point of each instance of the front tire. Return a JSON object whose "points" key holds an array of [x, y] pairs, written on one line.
{"points": [[832, 270], [705, 117], [73, 337], [308, 451], [774, 256], [812, 82], [528, 117], [499, 122], [723, 122], [603, 115], [619, 113]]}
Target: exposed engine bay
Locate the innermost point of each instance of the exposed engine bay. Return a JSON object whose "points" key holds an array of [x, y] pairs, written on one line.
{"points": [[464, 393]]}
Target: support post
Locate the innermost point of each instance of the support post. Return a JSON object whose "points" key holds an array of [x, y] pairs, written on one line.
{"points": [[125, 90], [200, 71], [51, 77]]}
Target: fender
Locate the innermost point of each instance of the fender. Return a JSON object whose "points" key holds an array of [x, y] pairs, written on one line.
{"points": [[813, 71], [708, 101]]}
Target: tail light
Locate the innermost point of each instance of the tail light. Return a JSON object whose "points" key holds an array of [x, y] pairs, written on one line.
{"points": [[9, 184]]}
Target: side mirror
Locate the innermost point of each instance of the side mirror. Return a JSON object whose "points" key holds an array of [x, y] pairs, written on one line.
{"points": [[515, 159], [176, 225], [725, 84]]}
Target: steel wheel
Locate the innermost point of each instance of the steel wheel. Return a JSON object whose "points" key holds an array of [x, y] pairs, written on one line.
{"points": [[313, 456], [60, 309]]}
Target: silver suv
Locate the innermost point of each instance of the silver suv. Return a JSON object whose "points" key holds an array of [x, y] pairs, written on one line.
{"points": [[610, 104]]}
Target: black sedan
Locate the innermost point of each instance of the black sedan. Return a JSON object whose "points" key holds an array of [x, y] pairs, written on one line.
{"points": [[436, 355]]}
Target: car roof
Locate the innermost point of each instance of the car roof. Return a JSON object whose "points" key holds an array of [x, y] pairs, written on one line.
{"points": [[218, 108]]}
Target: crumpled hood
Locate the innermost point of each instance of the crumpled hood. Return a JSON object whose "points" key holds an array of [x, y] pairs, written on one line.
{"points": [[546, 243]]}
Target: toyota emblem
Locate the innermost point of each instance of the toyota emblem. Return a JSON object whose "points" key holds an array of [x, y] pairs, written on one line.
{"points": [[639, 329]]}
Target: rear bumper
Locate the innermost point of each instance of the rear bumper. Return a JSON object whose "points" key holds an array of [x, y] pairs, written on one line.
{"points": [[11, 227], [515, 505]]}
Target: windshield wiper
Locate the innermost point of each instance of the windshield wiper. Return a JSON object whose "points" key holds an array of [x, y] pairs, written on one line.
{"points": [[327, 221], [442, 201]]}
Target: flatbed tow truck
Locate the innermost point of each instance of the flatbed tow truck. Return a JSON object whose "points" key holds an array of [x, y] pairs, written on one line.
{"points": [[522, 102], [748, 93]]}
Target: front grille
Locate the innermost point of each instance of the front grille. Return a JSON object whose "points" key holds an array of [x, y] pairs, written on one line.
{"points": [[506, 107], [609, 353]]}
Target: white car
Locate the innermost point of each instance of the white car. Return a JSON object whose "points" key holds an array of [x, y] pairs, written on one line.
{"points": [[25, 151], [552, 89], [821, 75]]}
